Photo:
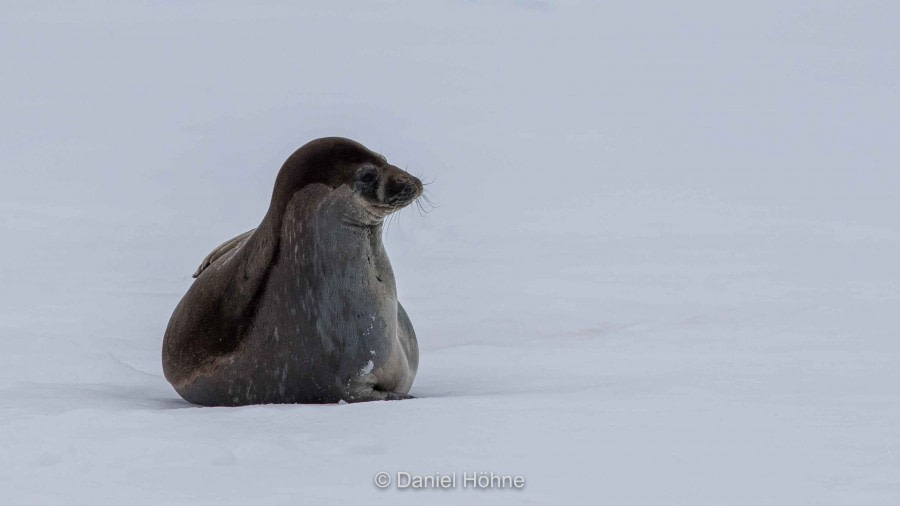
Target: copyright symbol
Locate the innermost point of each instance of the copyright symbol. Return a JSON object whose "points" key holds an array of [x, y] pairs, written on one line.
{"points": [[382, 480]]}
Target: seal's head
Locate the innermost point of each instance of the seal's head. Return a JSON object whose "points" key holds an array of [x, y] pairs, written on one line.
{"points": [[382, 188], [385, 188]]}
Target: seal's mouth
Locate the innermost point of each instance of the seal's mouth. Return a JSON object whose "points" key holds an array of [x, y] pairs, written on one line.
{"points": [[381, 211], [384, 208]]}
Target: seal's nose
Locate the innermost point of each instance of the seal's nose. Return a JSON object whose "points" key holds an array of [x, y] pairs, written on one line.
{"points": [[413, 185], [404, 189]]}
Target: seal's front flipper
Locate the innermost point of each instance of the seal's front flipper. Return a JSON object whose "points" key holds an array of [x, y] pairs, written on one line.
{"points": [[395, 396], [221, 250], [365, 388], [378, 395]]}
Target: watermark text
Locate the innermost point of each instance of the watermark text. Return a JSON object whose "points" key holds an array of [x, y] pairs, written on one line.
{"points": [[473, 480]]}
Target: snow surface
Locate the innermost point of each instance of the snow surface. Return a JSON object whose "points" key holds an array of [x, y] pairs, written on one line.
{"points": [[663, 269]]}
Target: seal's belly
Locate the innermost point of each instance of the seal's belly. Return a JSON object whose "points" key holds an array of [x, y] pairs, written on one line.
{"points": [[310, 340], [372, 345]]}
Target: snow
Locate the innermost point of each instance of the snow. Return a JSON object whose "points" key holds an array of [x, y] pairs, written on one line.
{"points": [[662, 269]]}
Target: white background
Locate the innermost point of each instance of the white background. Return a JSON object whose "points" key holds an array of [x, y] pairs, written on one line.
{"points": [[663, 269]]}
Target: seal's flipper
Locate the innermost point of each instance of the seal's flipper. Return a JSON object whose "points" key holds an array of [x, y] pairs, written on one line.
{"points": [[221, 249], [364, 388]]}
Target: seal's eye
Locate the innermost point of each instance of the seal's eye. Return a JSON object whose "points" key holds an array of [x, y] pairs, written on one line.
{"points": [[368, 177]]}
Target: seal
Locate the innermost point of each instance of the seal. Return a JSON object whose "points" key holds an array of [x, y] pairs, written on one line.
{"points": [[303, 308]]}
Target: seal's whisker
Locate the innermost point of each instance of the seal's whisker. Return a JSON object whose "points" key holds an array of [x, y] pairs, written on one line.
{"points": [[424, 183], [393, 218], [422, 211], [428, 200], [396, 217], [387, 228]]}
